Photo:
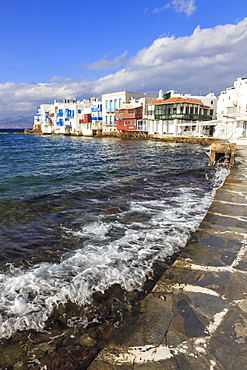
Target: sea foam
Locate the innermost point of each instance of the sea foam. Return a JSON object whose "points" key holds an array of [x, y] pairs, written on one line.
{"points": [[120, 250]]}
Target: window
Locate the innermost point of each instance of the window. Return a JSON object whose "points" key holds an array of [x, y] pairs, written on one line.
{"points": [[115, 104], [120, 103], [60, 113], [106, 104], [231, 110]]}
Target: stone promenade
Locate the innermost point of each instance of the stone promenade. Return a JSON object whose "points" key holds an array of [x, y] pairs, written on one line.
{"points": [[196, 315]]}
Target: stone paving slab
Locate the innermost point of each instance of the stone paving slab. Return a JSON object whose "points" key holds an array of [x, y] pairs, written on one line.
{"points": [[196, 315]]}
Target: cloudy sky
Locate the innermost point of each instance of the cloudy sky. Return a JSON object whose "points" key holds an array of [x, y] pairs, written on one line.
{"points": [[54, 49]]}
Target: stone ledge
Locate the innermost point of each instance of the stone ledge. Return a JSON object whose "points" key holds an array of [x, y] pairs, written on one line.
{"points": [[196, 315]]}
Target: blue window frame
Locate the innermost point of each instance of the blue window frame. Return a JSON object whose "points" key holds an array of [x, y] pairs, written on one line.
{"points": [[60, 122], [60, 113]]}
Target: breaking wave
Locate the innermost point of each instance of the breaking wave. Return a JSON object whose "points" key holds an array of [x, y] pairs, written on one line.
{"points": [[119, 247]]}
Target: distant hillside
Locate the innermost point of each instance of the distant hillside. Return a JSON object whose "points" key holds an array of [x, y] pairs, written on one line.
{"points": [[17, 122]]}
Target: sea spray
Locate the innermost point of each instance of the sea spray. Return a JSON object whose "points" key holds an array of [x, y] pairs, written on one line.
{"points": [[104, 258], [85, 224]]}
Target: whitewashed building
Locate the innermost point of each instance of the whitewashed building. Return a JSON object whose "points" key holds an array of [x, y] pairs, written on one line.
{"points": [[69, 117], [176, 114], [117, 100], [232, 112], [42, 121], [92, 117], [132, 116]]}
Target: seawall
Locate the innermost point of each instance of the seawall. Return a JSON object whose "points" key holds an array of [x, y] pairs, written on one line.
{"points": [[141, 135], [157, 137], [195, 317]]}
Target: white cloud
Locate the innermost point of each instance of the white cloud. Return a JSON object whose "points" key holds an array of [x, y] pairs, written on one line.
{"points": [[212, 57], [104, 63], [159, 10], [179, 6], [184, 6], [22, 98]]}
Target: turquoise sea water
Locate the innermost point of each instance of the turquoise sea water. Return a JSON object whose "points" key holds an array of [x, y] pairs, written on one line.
{"points": [[78, 215]]}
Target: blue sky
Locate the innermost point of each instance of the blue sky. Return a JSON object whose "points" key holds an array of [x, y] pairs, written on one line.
{"points": [[56, 49]]}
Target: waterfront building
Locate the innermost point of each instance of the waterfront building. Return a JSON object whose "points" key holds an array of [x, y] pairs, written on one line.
{"points": [[232, 111], [42, 121], [92, 118], [69, 117], [132, 116], [176, 114], [118, 100]]}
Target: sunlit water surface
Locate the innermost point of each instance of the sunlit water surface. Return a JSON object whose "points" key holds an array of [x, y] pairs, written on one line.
{"points": [[78, 215]]}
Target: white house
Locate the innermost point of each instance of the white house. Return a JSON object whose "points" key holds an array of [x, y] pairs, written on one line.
{"points": [[59, 117], [232, 111], [92, 117], [69, 117], [113, 101], [41, 120], [177, 114]]}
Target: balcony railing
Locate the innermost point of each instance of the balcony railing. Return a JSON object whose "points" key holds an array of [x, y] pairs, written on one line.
{"points": [[135, 115], [183, 116]]}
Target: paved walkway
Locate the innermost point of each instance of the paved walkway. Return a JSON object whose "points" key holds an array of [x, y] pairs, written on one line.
{"points": [[196, 315]]}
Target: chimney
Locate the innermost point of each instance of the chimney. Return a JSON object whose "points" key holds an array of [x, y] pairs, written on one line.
{"points": [[161, 95]]}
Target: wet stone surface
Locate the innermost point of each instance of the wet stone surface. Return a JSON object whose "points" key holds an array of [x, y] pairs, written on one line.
{"points": [[193, 327], [207, 305], [216, 280], [196, 315], [232, 352]]}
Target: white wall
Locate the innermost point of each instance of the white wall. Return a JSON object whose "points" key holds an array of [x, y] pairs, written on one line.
{"points": [[232, 111], [76, 106], [233, 100], [118, 100]]}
